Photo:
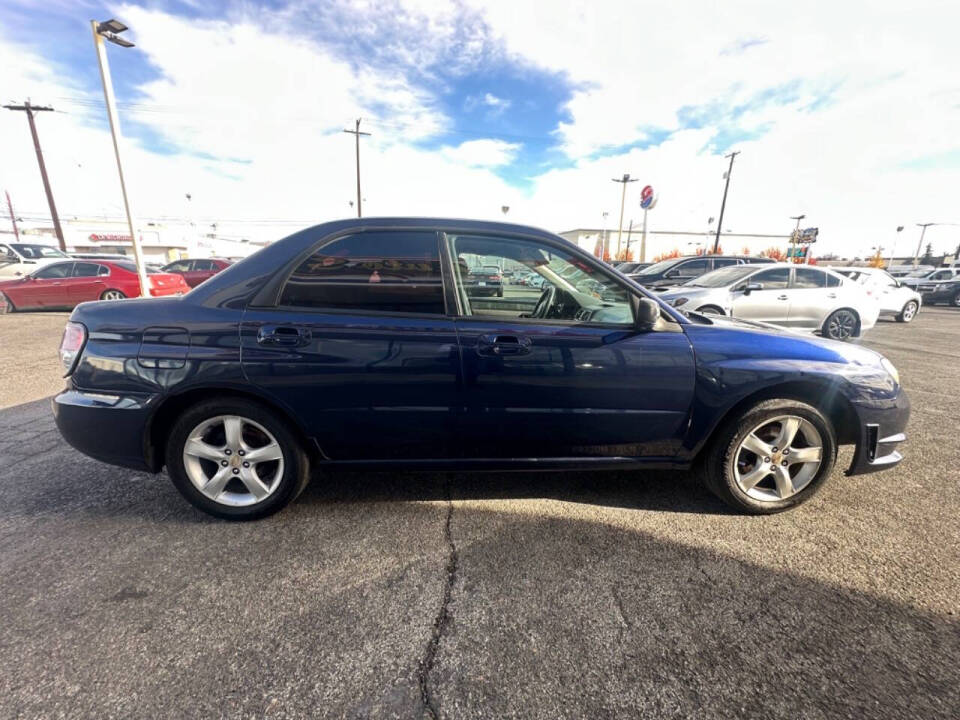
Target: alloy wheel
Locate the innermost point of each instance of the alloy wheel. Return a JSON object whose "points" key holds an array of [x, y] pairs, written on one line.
{"points": [[778, 458], [113, 295], [909, 310], [956, 300], [233, 460], [841, 325]]}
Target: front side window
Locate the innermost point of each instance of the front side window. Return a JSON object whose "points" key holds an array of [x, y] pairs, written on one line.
{"points": [[57, 270], [807, 278], [558, 285], [692, 268], [775, 279], [397, 272], [724, 262], [178, 267]]}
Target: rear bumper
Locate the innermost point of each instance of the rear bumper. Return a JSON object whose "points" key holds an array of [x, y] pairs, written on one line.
{"points": [[881, 431], [110, 428]]}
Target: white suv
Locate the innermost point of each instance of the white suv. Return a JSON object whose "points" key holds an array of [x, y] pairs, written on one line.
{"points": [[18, 258], [896, 299]]}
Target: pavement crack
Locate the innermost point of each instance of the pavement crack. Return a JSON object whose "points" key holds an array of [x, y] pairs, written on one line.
{"points": [[442, 619]]}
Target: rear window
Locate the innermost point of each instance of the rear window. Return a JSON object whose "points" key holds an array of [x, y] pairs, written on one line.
{"points": [[370, 272]]}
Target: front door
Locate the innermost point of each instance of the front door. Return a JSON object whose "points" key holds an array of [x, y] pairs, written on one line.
{"points": [[360, 349], [771, 303], [49, 286], [560, 371]]}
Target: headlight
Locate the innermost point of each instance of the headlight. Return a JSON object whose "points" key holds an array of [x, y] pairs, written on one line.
{"points": [[679, 301], [888, 366]]}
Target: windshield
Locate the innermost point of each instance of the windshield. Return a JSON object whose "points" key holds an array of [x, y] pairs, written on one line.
{"points": [[723, 277], [38, 251], [661, 266]]}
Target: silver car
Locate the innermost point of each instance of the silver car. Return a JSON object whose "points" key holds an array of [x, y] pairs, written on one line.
{"points": [[794, 296]]}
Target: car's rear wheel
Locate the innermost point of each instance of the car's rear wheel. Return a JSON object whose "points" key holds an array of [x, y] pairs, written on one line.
{"points": [[956, 299], [112, 295], [841, 325], [710, 310], [772, 458], [6, 304], [235, 459], [909, 312]]}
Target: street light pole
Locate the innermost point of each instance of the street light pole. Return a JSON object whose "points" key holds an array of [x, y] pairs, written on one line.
{"points": [[894, 248], [723, 204], [108, 30], [623, 197], [916, 255]]}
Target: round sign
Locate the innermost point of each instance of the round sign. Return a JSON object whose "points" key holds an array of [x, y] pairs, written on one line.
{"points": [[647, 198]]}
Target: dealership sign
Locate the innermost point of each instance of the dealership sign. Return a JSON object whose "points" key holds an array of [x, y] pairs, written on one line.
{"points": [[648, 198], [98, 237]]}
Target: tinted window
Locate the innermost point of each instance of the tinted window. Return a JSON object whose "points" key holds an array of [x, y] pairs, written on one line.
{"points": [[693, 267], [808, 278], [178, 266], [85, 269], [57, 270], [374, 272], [202, 265], [723, 262], [832, 280], [775, 279]]}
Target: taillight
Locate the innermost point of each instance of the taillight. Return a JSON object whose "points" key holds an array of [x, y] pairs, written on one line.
{"points": [[74, 336], [496, 277]]}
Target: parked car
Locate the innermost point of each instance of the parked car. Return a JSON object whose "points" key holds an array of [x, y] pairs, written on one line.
{"points": [[896, 299], [915, 280], [297, 359], [901, 271], [486, 280], [66, 284], [945, 291], [197, 270], [676, 271], [17, 259], [794, 296], [628, 268]]}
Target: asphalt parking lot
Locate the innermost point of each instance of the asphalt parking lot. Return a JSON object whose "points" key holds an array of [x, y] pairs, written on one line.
{"points": [[456, 595]]}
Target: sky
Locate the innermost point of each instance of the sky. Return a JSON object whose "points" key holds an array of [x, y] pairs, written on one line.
{"points": [[847, 112]]}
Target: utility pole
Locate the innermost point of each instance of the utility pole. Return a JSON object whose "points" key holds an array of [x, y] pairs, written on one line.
{"points": [[356, 133], [794, 237], [109, 31], [623, 197], [723, 205], [30, 110], [13, 218], [916, 255], [894, 248], [629, 233]]}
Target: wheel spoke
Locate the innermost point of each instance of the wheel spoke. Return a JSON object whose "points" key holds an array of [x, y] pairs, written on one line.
{"points": [[788, 431], [254, 484], [198, 448], [265, 453], [750, 479], [805, 455], [756, 446], [217, 483], [784, 483], [233, 429]]}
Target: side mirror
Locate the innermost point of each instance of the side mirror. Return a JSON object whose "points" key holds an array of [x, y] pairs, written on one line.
{"points": [[750, 287], [646, 312], [672, 274]]}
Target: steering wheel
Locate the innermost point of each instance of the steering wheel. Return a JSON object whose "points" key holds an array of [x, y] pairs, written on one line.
{"points": [[545, 302]]}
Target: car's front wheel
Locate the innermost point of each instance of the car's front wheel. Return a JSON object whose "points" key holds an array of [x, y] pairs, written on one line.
{"points": [[956, 299], [112, 295], [841, 325], [773, 457], [235, 459], [908, 312]]}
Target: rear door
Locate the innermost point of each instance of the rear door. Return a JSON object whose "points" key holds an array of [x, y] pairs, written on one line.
{"points": [[810, 298], [563, 372], [360, 348], [769, 304], [86, 282]]}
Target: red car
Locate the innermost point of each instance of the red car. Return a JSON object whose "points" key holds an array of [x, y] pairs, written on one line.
{"points": [[67, 284], [197, 270]]}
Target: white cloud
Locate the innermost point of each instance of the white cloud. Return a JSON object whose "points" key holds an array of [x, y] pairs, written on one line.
{"points": [[482, 153]]}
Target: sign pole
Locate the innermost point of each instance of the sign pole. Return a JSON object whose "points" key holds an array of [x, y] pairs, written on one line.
{"points": [[643, 239]]}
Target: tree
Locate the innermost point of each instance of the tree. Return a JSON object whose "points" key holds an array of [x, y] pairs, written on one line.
{"points": [[928, 255], [667, 255], [774, 253]]}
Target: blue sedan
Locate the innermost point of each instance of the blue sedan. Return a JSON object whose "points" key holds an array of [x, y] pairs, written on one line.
{"points": [[359, 344]]}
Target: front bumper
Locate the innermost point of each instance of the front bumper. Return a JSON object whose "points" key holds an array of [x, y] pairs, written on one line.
{"points": [[110, 428], [881, 430]]}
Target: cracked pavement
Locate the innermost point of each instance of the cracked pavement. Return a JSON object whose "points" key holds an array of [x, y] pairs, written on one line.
{"points": [[538, 595]]}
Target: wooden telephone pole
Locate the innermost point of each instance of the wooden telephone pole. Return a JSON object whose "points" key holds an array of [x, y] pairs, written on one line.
{"points": [[30, 110], [356, 133]]}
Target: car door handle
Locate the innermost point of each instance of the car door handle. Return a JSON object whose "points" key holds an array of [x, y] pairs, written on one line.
{"points": [[503, 345], [832, 296], [782, 297], [283, 335]]}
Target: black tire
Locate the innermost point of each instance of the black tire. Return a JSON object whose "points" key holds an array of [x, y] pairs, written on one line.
{"points": [[905, 315], [7, 306], [296, 463], [500, 293], [710, 310], [833, 328], [956, 299], [716, 465]]}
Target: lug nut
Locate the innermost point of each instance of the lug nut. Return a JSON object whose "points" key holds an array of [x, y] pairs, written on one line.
{"points": [[784, 463], [766, 460], [228, 451], [237, 472], [246, 464], [774, 448], [786, 451], [240, 452], [223, 462]]}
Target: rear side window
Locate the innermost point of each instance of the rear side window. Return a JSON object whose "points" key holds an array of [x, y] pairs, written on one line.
{"points": [[85, 269], [370, 272], [808, 278], [832, 280]]}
